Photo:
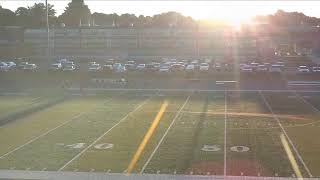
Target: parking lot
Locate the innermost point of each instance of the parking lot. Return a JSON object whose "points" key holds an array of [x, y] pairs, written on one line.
{"points": [[160, 66]]}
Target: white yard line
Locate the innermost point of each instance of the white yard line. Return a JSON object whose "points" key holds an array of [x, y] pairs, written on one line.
{"points": [[38, 137], [102, 135], [164, 135], [225, 135], [285, 133], [306, 102], [47, 132]]}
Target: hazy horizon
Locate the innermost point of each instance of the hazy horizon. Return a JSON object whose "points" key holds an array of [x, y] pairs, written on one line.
{"points": [[229, 11]]}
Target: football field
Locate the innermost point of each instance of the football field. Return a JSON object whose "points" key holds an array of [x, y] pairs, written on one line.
{"points": [[228, 133]]}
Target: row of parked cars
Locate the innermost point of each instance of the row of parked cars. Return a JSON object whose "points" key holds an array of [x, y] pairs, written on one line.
{"points": [[111, 66], [170, 66], [10, 65]]}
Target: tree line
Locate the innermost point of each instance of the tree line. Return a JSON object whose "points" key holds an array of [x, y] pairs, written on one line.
{"points": [[77, 13]]}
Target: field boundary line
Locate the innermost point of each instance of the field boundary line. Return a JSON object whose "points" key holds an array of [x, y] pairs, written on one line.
{"points": [[193, 90], [307, 102], [285, 133], [105, 133], [164, 135], [51, 130], [225, 135]]}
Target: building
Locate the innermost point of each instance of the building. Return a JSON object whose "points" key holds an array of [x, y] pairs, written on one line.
{"points": [[106, 41]]}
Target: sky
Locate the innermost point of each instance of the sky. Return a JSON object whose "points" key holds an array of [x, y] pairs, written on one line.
{"points": [[230, 11]]}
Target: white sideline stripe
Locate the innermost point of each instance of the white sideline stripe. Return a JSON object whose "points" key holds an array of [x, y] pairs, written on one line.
{"points": [[46, 133], [301, 82], [306, 102], [14, 94], [225, 135], [192, 90], [285, 133], [101, 136], [164, 135], [226, 81]]}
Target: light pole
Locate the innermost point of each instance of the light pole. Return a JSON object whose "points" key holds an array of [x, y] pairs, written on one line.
{"points": [[48, 33]]}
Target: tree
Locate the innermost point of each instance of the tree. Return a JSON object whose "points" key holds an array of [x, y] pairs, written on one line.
{"points": [[75, 14], [7, 17], [35, 16]]}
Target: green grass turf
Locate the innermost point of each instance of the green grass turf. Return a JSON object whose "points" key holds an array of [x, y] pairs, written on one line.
{"points": [[201, 122], [19, 132], [12, 104], [303, 133]]}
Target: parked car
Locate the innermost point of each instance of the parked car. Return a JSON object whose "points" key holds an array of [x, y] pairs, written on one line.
{"points": [[262, 68], [275, 68], [119, 68], [164, 68], [69, 68], [30, 67], [303, 69], [156, 66], [141, 67], [55, 67], [196, 64], [109, 62], [11, 65], [254, 66], [95, 68], [108, 68], [228, 67], [204, 67], [217, 67], [190, 68], [150, 68], [316, 69], [68, 63], [3, 66], [92, 62], [130, 67], [62, 61], [246, 68], [177, 67], [22, 64]]}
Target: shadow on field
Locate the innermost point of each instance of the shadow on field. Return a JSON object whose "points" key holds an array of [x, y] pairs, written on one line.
{"points": [[196, 136], [21, 114]]}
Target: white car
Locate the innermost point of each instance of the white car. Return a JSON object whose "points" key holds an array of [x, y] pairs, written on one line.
{"points": [[303, 69], [316, 69], [217, 67], [190, 68], [275, 68], [22, 64], [69, 68], [246, 68], [92, 62], [141, 67], [3, 66], [119, 68], [11, 64], [262, 68], [164, 68], [62, 61], [94, 68], [55, 67], [68, 63], [204, 67], [30, 67]]}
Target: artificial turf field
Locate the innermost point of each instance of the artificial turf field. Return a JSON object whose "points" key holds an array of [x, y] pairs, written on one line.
{"points": [[237, 133]]}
